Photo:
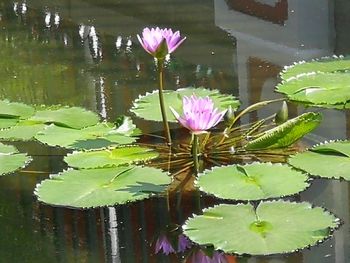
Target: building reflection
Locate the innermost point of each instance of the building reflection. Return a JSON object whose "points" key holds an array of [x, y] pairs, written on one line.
{"points": [[271, 34]]}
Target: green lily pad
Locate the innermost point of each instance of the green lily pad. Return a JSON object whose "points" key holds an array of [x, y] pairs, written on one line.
{"points": [[322, 83], [71, 117], [110, 157], [11, 160], [8, 122], [318, 89], [286, 133], [15, 110], [252, 182], [94, 137], [102, 187], [323, 65], [23, 131], [274, 227], [329, 160], [147, 107]]}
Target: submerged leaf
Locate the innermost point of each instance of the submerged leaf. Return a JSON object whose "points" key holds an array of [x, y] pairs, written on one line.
{"points": [[102, 187], [252, 182], [110, 157], [274, 227], [147, 107], [286, 133], [11, 160], [329, 160], [71, 117]]}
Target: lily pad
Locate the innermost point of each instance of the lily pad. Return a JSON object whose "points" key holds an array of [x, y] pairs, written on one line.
{"points": [[273, 227], [11, 160], [94, 137], [318, 89], [71, 117], [8, 122], [102, 187], [286, 133], [147, 107], [252, 182], [323, 65], [329, 160], [15, 110], [23, 131], [110, 157]]}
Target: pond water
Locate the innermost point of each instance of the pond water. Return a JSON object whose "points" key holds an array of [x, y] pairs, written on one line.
{"points": [[85, 53]]}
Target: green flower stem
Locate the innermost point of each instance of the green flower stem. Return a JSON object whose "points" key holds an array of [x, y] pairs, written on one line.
{"points": [[161, 101], [195, 153]]}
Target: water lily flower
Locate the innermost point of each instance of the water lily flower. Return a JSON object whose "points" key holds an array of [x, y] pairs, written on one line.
{"points": [[199, 114], [160, 42], [164, 245]]}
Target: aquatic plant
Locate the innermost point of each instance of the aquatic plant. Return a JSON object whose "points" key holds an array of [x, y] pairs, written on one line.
{"points": [[232, 160], [160, 42], [199, 115]]}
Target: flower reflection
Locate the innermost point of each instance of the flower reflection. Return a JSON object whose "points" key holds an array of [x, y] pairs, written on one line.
{"points": [[184, 243], [199, 256], [165, 244]]}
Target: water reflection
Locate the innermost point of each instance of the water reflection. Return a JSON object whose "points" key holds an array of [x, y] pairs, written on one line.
{"points": [[56, 56]]}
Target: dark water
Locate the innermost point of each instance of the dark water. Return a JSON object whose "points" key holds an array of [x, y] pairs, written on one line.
{"points": [[48, 56]]}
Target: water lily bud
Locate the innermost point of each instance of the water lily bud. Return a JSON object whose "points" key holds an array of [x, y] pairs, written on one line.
{"points": [[230, 115], [282, 114]]}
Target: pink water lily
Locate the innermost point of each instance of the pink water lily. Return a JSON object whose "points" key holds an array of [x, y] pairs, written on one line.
{"points": [[199, 114], [153, 41]]}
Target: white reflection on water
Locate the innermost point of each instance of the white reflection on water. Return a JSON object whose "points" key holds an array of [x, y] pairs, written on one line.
{"points": [[24, 8], [118, 42], [47, 19], [57, 19], [95, 45]]}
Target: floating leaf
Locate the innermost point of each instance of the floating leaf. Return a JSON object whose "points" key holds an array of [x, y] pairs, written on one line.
{"points": [[98, 136], [317, 89], [124, 125], [11, 160], [102, 187], [72, 117], [23, 131], [147, 107], [274, 227], [7, 122], [110, 157], [325, 65], [330, 160], [252, 182], [15, 110], [286, 133]]}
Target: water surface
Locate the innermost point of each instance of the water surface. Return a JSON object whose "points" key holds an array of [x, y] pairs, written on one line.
{"points": [[85, 53]]}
